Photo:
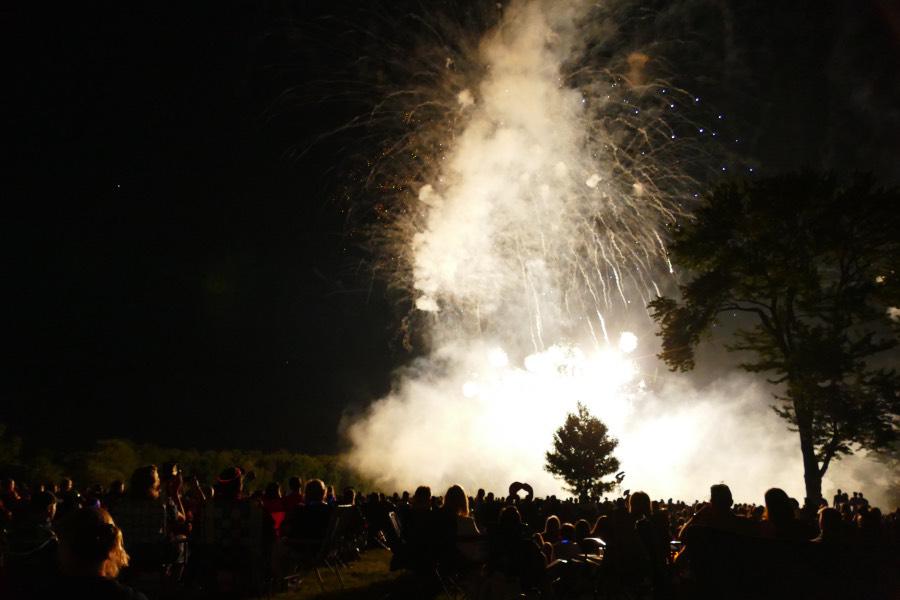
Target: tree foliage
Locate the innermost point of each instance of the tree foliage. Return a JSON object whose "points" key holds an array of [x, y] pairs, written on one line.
{"points": [[116, 459], [583, 454], [10, 447], [812, 262]]}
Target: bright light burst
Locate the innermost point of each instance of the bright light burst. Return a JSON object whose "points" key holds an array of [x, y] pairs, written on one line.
{"points": [[503, 413], [532, 179]]}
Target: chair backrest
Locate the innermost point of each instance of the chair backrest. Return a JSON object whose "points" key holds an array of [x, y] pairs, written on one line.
{"points": [[395, 525], [336, 529]]}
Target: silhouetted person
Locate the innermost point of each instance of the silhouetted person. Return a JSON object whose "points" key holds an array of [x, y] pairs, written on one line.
{"points": [[779, 521], [417, 523], [654, 541], [31, 547], [463, 529], [68, 498], [838, 498], [831, 527], [566, 548], [146, 520], [236, 533], [91, 554], [717, 514], [9, 495], [309, 521], [294, 497], [513, 554], [552, 530], [114, 494], [272, 500]]}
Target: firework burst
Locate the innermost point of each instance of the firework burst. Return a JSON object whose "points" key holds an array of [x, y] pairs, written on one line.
{"points": [[530, 183], [523, 206]]}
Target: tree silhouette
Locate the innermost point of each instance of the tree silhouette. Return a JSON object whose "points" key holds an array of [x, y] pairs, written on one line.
{"points": [[582, 454], [812, 263]]}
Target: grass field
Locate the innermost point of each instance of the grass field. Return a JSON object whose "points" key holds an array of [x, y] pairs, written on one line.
{"points": [[369, 577]]}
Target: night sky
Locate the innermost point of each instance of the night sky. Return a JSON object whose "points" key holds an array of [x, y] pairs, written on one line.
{"points": [[177, 270]]}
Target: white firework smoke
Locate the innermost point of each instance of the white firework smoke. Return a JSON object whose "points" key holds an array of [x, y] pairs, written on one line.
{"points": [[535, 201]]}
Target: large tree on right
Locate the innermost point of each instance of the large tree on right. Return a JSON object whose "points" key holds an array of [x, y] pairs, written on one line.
{"points": [[811, 263]]}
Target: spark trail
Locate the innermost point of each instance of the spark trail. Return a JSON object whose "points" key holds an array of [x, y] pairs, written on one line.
{"points": [[538, 223]]}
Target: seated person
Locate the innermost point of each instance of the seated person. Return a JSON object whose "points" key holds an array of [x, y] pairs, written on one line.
{"points": [[582, 532], [778, 520], [414, 516], [468, 539], [272, 500], [567, 546], [552, 528], [416, 525], [831, 527], [717, 514], [115, 493], [655, 541], [309, 521], [31, 544], [9, 495], [91, 554], [294, 497], [488, 512], [513, 554]]}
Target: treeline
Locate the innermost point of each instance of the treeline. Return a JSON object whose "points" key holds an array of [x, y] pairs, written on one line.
{"points": [[115, 459]]}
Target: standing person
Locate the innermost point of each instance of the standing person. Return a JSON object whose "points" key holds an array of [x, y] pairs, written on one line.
{"points": [[171, 483], [147, 521], [838, 497], [236, 533]]}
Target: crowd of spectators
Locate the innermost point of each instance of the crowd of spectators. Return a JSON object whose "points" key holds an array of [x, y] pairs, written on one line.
{"points": [[180, 539]]}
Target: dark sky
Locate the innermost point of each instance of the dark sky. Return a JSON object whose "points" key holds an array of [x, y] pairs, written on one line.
{"points": [[174, 271], [171, 273]]}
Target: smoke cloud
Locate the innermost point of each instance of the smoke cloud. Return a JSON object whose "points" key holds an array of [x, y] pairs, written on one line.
{"points": [[534, 248]]}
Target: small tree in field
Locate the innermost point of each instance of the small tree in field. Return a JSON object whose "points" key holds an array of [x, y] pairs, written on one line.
{"points": [[582, 454]]}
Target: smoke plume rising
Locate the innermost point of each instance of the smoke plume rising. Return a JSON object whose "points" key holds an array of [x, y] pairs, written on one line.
{"points": [[533, 244]]}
